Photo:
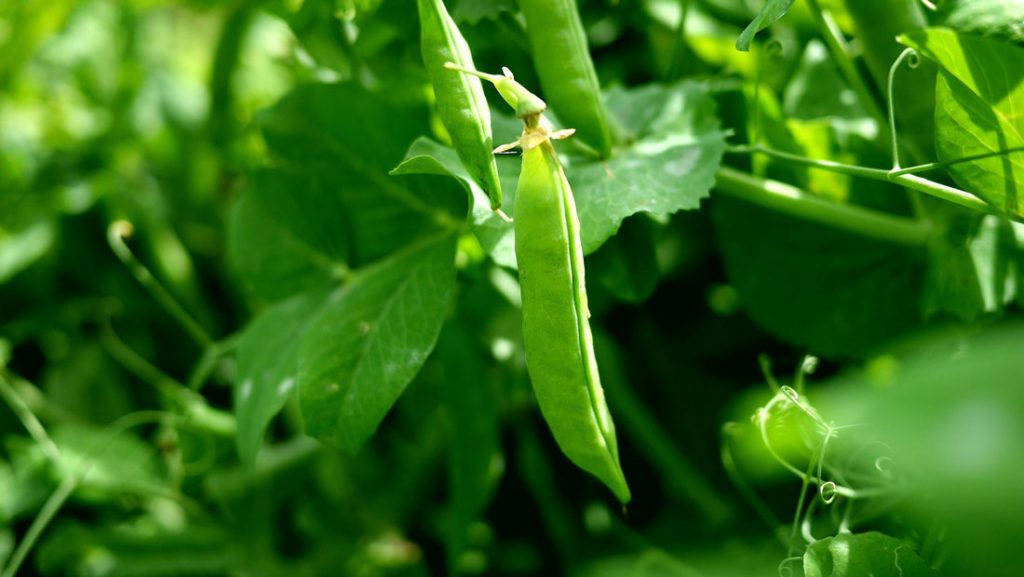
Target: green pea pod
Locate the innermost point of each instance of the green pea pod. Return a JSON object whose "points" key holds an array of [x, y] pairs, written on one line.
{"points": [[559, 346], [566, 70], [460, 98]]}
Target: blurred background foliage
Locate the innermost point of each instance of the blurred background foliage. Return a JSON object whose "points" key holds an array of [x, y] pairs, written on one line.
{"points": [[166, 113]]}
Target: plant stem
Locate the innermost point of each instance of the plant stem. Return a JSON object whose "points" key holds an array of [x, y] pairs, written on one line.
{"points": [[793, 201], [28, 419], [117, 232], [902, 177]]}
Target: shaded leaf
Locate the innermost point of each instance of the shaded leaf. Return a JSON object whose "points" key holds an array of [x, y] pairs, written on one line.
{"points": [[286, 235], [371, 339], [833, 292], [349, 149]]}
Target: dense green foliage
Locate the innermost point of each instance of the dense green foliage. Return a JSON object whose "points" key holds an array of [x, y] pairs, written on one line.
{"points": [[258, 315]]}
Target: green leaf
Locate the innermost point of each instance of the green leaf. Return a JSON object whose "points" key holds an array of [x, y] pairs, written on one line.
{"points": [[371, 339], [818, 91], [426, 156], [979, 109], [833, 292], [864, 555], [286, 235], [348, 138], [770, 13], [268, 366], [1001, 18], [676, 148]]}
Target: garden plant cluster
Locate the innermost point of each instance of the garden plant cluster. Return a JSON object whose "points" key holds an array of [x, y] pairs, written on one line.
{"points": [[596, 288]]}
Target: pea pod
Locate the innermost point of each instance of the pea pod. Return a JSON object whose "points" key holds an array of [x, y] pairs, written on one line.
{"points": [[566, 70], [460, 98], [556, 328]]}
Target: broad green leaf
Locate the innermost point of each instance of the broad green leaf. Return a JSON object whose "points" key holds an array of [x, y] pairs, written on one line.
{"points": [[676, 148], [770, 13], [1002, 18], [268, 366], [371, 339], [864, 555], [476, 462], [287, 235], [832, 292], [427, 156], [979, 109], [348, 138]]}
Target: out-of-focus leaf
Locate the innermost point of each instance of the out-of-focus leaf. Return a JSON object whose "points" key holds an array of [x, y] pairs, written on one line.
{"points": [[676, 145], [864, 555], [1001, 18], [111, 464], [770, 13], [951, 417], [426, 156], [818, 91], [75, 549], [476, 462], [371, 339], [268, 366], [979, 99], [287, 235], [21, 247]]}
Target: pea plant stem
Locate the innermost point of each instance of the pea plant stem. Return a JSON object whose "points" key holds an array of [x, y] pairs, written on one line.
{"points": [[902, 177], [117, 233], [28, 419], [793, 201]]}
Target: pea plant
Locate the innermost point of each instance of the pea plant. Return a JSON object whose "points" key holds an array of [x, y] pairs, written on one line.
{"points": [[692, 288]]}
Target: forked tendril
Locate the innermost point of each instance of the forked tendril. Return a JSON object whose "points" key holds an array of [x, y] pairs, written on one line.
{"points": [[913, 60]]}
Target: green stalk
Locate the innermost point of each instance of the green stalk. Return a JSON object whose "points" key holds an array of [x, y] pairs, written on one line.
{"points": [[788, 199], [903, 177]]}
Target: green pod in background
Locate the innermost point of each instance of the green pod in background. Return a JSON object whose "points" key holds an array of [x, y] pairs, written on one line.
{"points": [[566, 70], [460, 97], [559, 346]]}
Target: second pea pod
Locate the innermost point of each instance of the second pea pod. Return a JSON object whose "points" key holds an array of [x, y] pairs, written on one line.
{"points": [[566, 70]]}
